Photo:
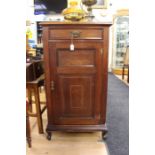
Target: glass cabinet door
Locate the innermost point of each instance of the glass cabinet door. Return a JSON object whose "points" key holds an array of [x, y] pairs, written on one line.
{"points": [[121, 40]]}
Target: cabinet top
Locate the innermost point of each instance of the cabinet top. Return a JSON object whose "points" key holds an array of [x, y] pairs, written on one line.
{"points": [[48, 23]]}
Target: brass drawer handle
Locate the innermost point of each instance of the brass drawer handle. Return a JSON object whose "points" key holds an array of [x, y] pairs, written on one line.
{"points": [[75, 34]]}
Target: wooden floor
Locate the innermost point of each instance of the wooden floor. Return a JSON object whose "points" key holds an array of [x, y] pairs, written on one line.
{"points": [[124, 80], [63, 143]]}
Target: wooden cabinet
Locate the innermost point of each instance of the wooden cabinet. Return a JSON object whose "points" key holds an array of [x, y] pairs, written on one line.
{"points": [[76, 80]]}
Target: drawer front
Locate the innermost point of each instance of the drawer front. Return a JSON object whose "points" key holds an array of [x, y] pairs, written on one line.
{"points": [[75, 34]]}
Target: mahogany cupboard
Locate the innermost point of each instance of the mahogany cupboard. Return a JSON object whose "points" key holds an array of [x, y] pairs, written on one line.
{"points": [[76, 60]]}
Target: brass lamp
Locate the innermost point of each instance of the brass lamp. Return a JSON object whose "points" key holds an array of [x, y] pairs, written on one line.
{"points": [[89, 4]]}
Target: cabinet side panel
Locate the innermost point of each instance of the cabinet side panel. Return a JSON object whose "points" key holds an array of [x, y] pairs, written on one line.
{"points": [[47, 72], [104, 74]]}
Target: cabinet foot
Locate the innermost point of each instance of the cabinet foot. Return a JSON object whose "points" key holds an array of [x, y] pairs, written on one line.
{"points": [[104, 134], [49, 134]]}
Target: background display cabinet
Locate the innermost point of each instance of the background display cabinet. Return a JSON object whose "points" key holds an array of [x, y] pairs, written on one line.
{"points": [[120, 39]]}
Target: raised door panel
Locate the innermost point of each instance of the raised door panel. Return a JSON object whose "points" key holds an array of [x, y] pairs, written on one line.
{"points": [[77, 78], [76, 95], [80, 57]]}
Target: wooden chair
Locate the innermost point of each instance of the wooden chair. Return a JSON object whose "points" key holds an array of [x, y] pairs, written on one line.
{"points": [[35, 80], [126, 64]]}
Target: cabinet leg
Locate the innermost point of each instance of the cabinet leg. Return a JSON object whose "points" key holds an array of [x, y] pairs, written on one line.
{"points": [[104, 134], [49, 134]]}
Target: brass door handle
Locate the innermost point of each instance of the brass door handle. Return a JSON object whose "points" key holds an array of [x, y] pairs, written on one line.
{"points": [[52, 85]]}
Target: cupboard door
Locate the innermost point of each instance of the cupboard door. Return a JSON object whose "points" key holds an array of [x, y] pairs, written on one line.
{"points": [[76, 83]]}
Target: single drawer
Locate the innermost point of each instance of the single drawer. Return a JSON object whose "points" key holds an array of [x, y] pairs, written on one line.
{"points": [[75, 34]]}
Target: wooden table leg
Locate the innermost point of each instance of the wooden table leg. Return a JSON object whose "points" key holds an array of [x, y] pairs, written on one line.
{"points": [[29, 93], [28, 132], [128, 75], [123, 72], [38, 109]]}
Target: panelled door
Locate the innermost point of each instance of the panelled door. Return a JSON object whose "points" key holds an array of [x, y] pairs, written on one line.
{"points": [[75, 82]]}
